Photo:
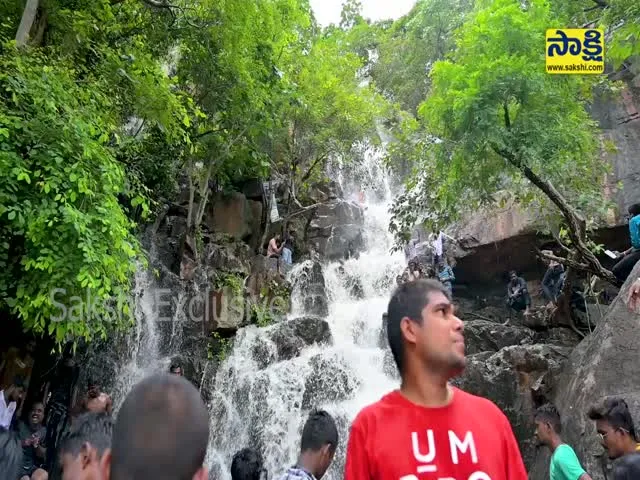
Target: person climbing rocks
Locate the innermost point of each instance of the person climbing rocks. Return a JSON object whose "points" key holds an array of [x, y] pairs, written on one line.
{"points": [[247, 464], [552, 281], [317, 448], [10, 397], [287, 247], [426, 425], [630, 257], [446, 276], [175, 369], [85, 447], [32, 436], [161, 432], [437, 245], [275, 247], [518, 297], [412, 272], [564, 464], [617, 432]]}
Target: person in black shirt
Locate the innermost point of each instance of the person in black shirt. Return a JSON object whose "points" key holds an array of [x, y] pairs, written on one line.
{"points": [[517, 293], [618, 436], [32, 436], [552, 282]]}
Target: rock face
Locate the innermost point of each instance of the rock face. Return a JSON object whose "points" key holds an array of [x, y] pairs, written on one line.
{"points": [[513, 378], [482, 336], [336, 227], [605, 364], [310, 286]]}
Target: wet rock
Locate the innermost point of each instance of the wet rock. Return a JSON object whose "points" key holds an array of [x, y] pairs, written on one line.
{"points": [[234, 215], [330, 380], [483, 336], [291, 336], [310, 285], [336, 227], [563, 337], [604, 364], [514, 378]]}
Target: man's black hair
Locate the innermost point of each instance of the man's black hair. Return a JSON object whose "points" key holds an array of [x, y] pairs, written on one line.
{"points": [[319, 430], [512, 273], [634, 209], [408, 300], [615, 412], [174, 366], [247, 464], [10, 454], [95, 429], [548, 413], [161, 432]]}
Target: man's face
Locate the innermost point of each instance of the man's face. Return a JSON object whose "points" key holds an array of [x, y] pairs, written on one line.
{"points": [[611, 439], [16, 394], [542, 433], [37, 414], [513, 277], [439, 341], [177, 371]]}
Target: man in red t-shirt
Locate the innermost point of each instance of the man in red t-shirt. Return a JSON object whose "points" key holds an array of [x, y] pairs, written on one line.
{"points": [[430, 430]]}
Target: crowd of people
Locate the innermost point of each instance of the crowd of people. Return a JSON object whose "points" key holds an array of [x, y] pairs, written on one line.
{"points": [[421, 430]]}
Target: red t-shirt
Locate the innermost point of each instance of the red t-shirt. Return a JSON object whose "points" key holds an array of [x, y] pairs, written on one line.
{"points": [[469, 439]]}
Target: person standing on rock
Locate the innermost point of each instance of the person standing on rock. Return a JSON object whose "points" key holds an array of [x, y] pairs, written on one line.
{"points": [[429, 429], [618, 436], [446, 276], [564, 461], [317, 448]]}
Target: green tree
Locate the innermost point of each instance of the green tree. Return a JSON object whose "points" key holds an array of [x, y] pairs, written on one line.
{"points": [[494, 118]]}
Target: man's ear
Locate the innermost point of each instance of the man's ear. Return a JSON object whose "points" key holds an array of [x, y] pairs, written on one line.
{"points": [[408, 329], [87, 455], [105, 464], [202, 474]]}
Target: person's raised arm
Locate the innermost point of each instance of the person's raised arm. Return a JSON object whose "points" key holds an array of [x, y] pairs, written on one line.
{"points": [[357, 463]]}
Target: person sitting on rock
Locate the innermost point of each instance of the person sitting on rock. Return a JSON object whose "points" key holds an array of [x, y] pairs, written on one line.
{"points": [[564, 463], [32, 435], [630, 257], [446, 276], [84, 448], [413, 272], [617, 432], [553, 281], [287, 248], [247, 464], [275, 248], [518, 297], [317, 448]]}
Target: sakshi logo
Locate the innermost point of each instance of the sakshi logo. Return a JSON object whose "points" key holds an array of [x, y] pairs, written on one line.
{"points": [[575, 51]]}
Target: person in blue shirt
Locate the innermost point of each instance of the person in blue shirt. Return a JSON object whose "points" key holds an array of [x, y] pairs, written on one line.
{"points": [[446, 276], [564, 463], [629, 258]]}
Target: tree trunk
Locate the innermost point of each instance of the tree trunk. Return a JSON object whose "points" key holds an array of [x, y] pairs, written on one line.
{"points": [[575, 222], [26, 22]]}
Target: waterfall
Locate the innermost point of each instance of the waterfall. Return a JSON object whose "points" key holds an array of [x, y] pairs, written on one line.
{"points": [[264, 404]]}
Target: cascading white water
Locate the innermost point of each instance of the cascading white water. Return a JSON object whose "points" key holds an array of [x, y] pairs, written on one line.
{"points": [[265, 407]]}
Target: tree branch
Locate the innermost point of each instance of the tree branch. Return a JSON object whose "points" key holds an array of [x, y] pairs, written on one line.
{"points": [[507, 120], [306, 176], [26, 22], [575, 222]]}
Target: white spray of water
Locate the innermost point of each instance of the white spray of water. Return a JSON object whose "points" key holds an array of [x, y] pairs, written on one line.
{"points": [[263, 407]]}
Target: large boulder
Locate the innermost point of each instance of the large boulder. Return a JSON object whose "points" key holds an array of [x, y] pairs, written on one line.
{"points": [[604, 364], [291, 336], [514, 378], [234, 215], [309, 285], [483, 336], [331, 380], [336, 227]]}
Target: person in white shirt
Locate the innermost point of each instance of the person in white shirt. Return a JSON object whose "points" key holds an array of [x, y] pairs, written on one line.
{"points": [[9, 399]]}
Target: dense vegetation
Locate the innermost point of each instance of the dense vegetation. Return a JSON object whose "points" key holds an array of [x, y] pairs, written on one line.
{"points": [[106, 105]]}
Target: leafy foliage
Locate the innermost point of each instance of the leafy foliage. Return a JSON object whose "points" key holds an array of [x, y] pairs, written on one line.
{"points": [[492, 112]]}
